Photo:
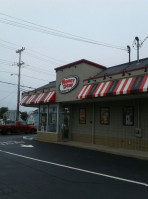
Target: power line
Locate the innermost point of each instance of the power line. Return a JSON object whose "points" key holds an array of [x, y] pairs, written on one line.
{"points": [[44, 73], [16, 85], [7, 62], [37, 70], [40, 68], [4, 60], [54, 32], [34, 78], [30, 54], [40, 58], [2, 71], [36, 52], [24, 76], [7, 96]]}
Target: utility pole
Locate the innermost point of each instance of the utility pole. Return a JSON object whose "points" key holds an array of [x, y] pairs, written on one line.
{"points": [[19, 76], [138, 45], [129, 51]]}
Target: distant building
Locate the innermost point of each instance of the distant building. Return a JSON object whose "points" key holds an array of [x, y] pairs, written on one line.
{"points": [[10, 115], [33, 118], [1, 122]]}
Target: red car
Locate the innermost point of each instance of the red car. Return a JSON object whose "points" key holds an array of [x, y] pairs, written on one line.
{"points": [[17, 127]]}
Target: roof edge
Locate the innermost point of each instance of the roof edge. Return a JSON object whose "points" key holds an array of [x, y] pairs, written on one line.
{"points": [[79, 62], [112, 74], [35, 90]]}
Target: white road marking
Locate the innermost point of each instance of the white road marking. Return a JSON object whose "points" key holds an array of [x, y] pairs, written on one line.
{"points": [[12, 142], [28, 137], [30, 146], [77, 169]]}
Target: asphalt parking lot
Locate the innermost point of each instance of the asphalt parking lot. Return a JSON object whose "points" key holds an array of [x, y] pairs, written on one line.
{"points": [[31, 169]]}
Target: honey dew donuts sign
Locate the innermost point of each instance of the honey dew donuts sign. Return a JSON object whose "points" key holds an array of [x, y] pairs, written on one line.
{"points": [[68, 84]]}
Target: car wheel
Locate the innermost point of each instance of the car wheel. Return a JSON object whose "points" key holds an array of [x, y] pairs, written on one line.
{"points": [[33, 131], [8, 132]]}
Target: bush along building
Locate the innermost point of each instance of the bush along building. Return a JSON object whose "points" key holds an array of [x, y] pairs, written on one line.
{"points": [[94, 104]]}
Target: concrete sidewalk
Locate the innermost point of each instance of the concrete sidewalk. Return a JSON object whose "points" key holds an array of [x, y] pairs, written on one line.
{"points": [[117, 151]]}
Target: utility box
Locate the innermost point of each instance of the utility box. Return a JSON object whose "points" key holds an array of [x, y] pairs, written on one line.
{"points": [[138, 132]]}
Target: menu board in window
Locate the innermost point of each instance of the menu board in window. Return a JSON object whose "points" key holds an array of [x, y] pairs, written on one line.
{"points": [[82, 116], [105, 116], [128, 116]]}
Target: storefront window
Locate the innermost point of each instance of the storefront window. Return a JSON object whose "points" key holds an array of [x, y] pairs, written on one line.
{"points": [[52, 118], [65, 110], [43, 118], [105, 116], [128, 116]]}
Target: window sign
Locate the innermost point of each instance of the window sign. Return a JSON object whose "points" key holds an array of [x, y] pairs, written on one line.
{"points": [[82, 116], [105, 116], [52, 118], [68, 84], [43, 118], [128, 116]]}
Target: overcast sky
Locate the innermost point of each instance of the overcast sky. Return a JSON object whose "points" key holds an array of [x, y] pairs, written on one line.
{"points": [[114, 22]]}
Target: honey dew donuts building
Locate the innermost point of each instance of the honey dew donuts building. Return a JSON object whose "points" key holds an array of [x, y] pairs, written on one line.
{"points": [[94, 104]]}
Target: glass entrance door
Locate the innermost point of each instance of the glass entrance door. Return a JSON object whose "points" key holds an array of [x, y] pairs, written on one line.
{"points": [[65, 126], [43, 122]]}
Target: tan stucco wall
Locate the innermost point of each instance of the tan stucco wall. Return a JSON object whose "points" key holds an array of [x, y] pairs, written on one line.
{"points": [[47, 137], [126, 143], [83, 71], [115, 134]]}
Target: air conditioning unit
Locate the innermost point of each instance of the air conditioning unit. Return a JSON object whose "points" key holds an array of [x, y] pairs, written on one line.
{"points": [[138, 132]]}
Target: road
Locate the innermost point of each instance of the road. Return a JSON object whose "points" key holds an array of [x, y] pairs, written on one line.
{"points": [[31, 169]]}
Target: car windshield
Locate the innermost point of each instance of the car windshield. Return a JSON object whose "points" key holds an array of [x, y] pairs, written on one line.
{"points": [[24, 123]]}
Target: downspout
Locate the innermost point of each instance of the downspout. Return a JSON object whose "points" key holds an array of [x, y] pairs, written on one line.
{"points": [[93, 122], [39, 119], [138, 115], [47, 118], [57, 118]]}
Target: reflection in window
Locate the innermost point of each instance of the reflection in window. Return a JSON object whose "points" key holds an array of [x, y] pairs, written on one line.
{"points": [[43, 118], [128, 116], [52, 118]]}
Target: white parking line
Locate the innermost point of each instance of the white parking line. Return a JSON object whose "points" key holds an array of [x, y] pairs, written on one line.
{"points": [[77, 169], [24, 145], [12, 142]]}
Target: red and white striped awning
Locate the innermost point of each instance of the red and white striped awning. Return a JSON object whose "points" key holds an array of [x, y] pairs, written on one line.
{"points": [[24, 100], [31, 99], [102, 89], [84, 91], [39, 98], [124, 86], [50, 97]]}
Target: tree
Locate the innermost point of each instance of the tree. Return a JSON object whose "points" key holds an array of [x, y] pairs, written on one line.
{"points": [[2, 111], [24, 116]]}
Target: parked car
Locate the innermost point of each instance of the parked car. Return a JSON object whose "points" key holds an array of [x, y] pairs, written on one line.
{"points": [[17, 127]]}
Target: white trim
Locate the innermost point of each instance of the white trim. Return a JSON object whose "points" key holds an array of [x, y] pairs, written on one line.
{"points": [[127, 85], [145, 86], [96, 94], [120, 86], [79, 96]]}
